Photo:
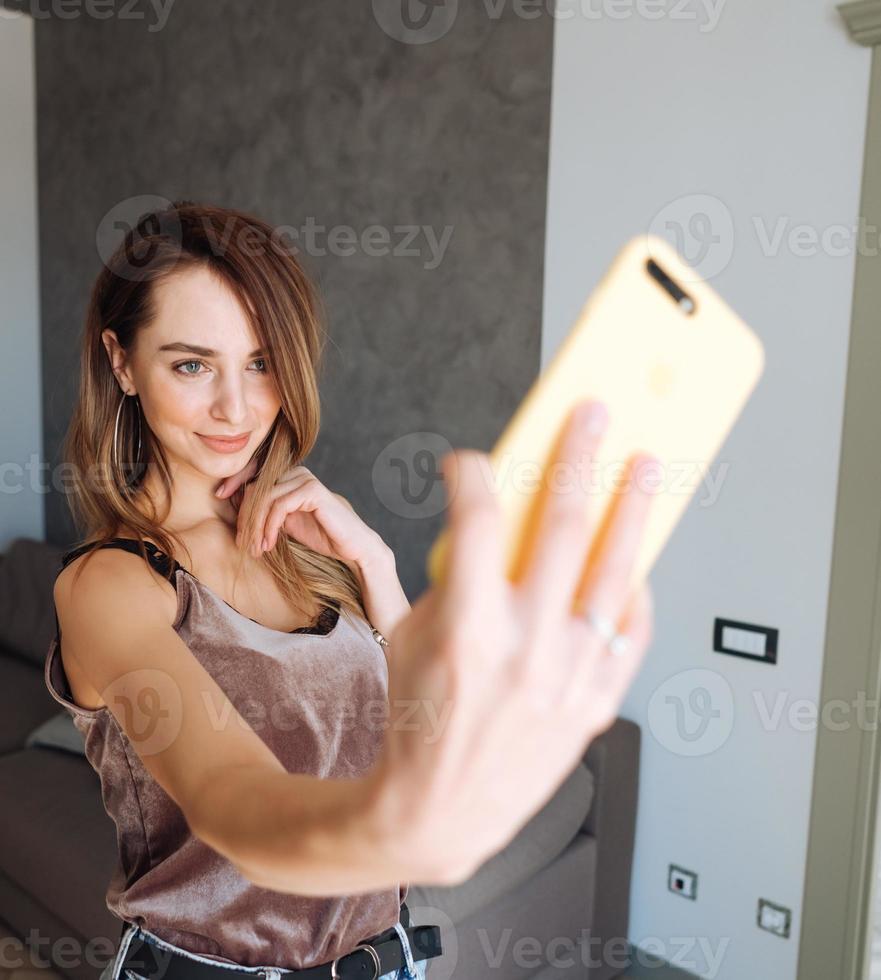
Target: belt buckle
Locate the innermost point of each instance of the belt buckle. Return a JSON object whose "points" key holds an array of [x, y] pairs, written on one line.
{"points": [[377, 964]]}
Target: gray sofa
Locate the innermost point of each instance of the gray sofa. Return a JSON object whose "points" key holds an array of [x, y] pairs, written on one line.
{"points": [[564, 879]]}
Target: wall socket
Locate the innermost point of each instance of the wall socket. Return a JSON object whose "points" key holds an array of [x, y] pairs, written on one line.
{"points": [[682, 882], [774, 918]]}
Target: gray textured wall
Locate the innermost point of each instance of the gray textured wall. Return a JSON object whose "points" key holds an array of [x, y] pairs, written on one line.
{"points": [[308, 109]]}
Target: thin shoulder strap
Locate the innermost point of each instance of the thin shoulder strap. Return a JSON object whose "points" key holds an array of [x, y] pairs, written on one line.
{"points": [[162, 563]]}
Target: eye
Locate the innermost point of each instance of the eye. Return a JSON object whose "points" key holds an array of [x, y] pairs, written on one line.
{"points": [[181, 364]]}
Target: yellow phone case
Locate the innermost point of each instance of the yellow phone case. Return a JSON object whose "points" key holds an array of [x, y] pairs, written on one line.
{"points": [[674, 384]]}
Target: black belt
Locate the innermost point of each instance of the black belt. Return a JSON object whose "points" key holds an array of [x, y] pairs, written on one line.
{"points": [[371, 958]]}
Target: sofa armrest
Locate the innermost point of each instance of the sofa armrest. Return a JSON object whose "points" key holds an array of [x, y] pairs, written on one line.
{"points": [[613, 758]]}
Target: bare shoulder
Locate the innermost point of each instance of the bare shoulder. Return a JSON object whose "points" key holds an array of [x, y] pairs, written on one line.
{"points": [[112, 591], [117, 581]]}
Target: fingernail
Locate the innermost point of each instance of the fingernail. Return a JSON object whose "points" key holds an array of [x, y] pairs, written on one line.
{"points": [[218, 491]]}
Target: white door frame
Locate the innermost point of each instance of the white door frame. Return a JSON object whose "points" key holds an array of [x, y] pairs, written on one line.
{"points": [[841, 859]]}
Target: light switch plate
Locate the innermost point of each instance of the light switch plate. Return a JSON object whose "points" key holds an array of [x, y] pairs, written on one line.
{"points": [[745, 640]]}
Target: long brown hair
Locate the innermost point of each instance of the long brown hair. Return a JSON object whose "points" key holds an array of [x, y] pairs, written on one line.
{"points": [[285, 312]]}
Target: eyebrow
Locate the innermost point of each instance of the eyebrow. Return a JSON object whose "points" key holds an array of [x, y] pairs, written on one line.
{"points": [[203, 351]]}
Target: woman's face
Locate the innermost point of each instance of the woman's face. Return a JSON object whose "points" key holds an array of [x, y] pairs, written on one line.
{"points": [[189, 395]]}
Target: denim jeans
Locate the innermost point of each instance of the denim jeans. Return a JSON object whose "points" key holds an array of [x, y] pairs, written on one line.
{"points": [[411, 970]]}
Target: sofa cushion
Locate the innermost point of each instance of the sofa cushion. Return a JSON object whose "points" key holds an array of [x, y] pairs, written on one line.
{"points": [[27, 608], [58, 732], [538, 843], [56, 840], [25, 701], [539, 923]]}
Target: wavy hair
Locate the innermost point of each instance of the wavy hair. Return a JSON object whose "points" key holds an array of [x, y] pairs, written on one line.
{"points": [[284, 310]]}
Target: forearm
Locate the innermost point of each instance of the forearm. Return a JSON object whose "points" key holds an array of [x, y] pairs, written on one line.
{"points": [[301, 834], [384, 599]]}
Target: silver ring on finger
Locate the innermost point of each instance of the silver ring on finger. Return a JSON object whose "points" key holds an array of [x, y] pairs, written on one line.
{"points": [[620, 645], [617, 643]]}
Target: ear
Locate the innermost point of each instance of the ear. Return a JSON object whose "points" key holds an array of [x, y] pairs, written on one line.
{"points": [[118, 365]]}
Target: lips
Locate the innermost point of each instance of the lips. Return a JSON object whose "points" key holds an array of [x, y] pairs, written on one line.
{"points": [[221, 445]]}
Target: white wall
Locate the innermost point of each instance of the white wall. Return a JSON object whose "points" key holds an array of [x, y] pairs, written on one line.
{"points": [[21, 441], [764, 112]]}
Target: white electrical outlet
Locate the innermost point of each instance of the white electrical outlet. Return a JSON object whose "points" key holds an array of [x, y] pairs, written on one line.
{"points": [[774, 918], [682, 882]]}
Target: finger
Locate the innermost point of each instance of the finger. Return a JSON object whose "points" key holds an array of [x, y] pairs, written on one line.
{"points": [[261, 518], [614, 674], [475, 562], [557, 550], [232, 483], [609, 570], [267, 537], [598, 676], [278, 514]]}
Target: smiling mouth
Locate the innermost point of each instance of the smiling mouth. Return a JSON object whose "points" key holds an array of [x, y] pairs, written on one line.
{"points": [[225, 443]]}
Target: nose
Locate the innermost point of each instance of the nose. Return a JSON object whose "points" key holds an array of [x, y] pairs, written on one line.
{"points": [[230, 404]]}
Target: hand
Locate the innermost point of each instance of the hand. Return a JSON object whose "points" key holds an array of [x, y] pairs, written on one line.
{"points": [[303, 507], [510, 682]]}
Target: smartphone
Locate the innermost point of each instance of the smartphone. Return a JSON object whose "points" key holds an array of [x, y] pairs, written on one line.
{"points": [[673, 364]]}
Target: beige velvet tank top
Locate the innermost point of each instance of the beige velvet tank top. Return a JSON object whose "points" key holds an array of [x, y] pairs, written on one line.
{"points": [[315, 681]]}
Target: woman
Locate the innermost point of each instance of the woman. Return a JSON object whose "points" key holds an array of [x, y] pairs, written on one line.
{"points": [[224, 635]]}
